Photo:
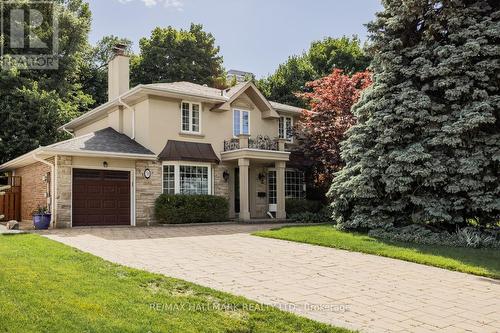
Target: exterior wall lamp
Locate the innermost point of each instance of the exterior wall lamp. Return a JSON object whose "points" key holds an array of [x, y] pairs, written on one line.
{"points": [[225, 175], [262, 177]]}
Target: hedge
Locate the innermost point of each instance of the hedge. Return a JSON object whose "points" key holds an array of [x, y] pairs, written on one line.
{"points": [[181, 208], [297, 206]]}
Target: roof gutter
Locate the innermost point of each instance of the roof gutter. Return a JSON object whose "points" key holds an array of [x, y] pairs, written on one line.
{"points": [[52, 185], [103, 154]]}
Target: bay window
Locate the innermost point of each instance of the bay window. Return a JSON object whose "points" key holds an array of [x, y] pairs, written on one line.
{"points": [[241, 122], [181, 178], [190, 117]]}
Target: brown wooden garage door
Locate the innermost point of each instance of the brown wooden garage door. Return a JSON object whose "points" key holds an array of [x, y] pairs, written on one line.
{"points": [[101, 197]]}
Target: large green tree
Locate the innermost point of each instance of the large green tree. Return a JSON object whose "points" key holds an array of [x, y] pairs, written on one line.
{"points": [[171, 55], [319, 61], [426, 148], [290, 78], [34, 102]]}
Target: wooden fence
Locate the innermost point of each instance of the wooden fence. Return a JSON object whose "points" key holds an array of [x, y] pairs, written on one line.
{"points": [[10, 201]]}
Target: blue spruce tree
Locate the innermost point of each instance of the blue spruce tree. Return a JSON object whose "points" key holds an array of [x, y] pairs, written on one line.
{"points": [[427, 145]]}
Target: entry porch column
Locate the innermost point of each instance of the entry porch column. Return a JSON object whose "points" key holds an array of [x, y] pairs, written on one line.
{"points": [[280, 189], [243, 164]]}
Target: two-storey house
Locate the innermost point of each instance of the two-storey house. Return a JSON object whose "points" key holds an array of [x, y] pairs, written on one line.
{"points": [[164, 138]]}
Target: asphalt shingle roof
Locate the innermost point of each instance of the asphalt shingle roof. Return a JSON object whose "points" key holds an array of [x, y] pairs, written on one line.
{"points": [[106, 140]]}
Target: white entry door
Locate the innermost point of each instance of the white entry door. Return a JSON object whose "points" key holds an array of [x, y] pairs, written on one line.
{"points": [[271, 190]]}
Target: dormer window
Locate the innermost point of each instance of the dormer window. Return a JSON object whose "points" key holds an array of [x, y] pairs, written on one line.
{"points": [[191, 117], [286, 128]]}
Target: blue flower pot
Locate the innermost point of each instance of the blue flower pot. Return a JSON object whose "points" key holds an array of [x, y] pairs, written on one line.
{"points": [[41, 221]]}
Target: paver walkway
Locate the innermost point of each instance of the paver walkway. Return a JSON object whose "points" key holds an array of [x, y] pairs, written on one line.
{"points": [[347, 289]]}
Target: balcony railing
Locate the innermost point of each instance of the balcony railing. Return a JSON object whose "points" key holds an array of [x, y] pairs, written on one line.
{"points": [[261, 142]]}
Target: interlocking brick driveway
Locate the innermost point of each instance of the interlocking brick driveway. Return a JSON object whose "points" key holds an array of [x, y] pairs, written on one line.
{"points": [[378, 294]]}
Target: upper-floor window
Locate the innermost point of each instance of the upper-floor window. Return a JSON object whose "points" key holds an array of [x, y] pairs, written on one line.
{"points": [[191, 117], [241, 122], [286, 128]]}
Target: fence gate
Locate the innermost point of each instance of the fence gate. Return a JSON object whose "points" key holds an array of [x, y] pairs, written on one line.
{"points": [[10, 199]]}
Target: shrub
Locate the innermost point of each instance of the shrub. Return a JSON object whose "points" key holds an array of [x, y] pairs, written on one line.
{"points": [[181, 208], [296, 206], [323, 216], [465, 237]]}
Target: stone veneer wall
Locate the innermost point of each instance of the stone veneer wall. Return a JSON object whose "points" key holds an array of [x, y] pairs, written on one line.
{"points": [[34, 189], [63, 197], [221, 187], [146, 191]]}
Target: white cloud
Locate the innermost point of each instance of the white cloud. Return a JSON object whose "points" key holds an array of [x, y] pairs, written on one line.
{"points": [[176, 4]]}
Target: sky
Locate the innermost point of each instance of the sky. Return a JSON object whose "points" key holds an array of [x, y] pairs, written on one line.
{"points": [[253, 35]]}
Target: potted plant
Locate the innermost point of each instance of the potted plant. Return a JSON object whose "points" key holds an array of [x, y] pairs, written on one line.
{"points": [[41, 218]]}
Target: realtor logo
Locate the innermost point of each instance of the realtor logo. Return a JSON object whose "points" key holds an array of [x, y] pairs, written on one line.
{"points": [[29, 34]]}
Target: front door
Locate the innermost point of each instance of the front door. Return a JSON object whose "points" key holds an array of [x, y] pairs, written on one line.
{"points": [[271, 190]]}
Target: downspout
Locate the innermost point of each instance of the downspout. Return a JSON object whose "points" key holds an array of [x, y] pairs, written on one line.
{"points": [[52, 183], [132, 110]]}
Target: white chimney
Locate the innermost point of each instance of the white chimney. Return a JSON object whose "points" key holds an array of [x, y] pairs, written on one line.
{"points": [[118, 72]]}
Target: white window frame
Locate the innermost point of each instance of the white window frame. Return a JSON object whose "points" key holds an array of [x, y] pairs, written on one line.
{"points": [[177, 175], [241, 122], [285, 129], [190, 131]]}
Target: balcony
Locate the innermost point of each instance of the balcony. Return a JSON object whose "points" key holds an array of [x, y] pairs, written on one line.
{"points": [[260, 142]]}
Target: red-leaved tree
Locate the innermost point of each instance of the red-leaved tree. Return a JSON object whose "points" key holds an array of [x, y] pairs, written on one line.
{"points": [[323, 127]]}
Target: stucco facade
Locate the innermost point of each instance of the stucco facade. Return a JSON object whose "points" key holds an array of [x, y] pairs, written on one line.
{"points": [[145, 119]]}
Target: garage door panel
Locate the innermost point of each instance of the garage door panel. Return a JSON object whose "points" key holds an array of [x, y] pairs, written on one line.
{"points": [[123, 190], [123, 204], [109, 189], [101, 197], [79, 204], [94, 203], [93, 189], [109, 204]]}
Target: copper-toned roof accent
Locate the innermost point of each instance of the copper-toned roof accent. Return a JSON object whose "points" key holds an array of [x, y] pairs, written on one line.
{"points": [[188, 151]]}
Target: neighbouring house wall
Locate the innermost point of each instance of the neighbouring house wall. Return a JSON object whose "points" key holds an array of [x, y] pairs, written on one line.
{"points": [[147, 190], [33, 188], [64, 188], [92, 127]]}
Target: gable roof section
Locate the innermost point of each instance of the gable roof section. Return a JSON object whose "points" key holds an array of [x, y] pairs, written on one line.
{"points": [[188, 151], [253, 93]]}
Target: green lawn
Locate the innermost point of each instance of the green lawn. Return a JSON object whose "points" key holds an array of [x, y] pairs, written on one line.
{"points": [[484, 262], [49, 287]]}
